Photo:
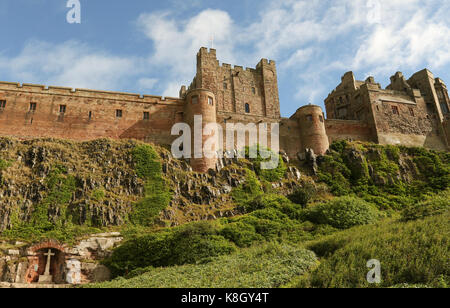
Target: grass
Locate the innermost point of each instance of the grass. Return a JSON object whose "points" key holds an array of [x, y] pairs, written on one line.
{"points": [[268, 266], [416, 252]]}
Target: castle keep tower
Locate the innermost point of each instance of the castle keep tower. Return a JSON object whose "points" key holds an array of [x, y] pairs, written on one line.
{"points": [[200, 103], [249, 91]]}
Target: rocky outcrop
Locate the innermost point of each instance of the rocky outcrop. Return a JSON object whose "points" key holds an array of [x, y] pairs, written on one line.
{"points": [[100, 165], [107, 186]]}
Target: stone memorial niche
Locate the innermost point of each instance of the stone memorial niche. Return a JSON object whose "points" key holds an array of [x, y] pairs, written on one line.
{"points": [[54, 263], [47, 266]]}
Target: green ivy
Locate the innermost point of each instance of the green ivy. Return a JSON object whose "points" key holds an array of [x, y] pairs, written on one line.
{"points": [[269, 175], [247, 191], [157, 194]]}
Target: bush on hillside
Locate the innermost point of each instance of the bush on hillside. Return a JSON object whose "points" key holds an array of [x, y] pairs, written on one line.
{"points": [[269, 224], [433, 205], [343, 213], [188, 244], [303, 194], [247, 191], [272, 174], [415, 252], [274, 201], [267, 266]]}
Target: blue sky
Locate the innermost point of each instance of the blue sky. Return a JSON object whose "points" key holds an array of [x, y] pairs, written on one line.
{"points": [[149, 46]]}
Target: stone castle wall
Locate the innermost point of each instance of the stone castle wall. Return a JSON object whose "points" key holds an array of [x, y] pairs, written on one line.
{"points": [[88, 114], [412, 112], [407, 112]]}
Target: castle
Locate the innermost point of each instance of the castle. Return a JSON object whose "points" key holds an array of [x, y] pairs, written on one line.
{"points": [[413, 112]]}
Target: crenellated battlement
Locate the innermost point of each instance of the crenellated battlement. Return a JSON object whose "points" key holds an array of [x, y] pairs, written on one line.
{"points": [[85, 93]]}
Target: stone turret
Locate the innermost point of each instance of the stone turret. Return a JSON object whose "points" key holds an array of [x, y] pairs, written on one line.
{"points": [[200, 103], [312, 129]]}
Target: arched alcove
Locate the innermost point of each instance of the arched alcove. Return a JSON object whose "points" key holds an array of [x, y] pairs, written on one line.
{"points": [[38, 262]]}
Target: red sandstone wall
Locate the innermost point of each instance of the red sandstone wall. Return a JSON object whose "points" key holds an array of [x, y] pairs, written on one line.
{"points": [[223, 118], [235, 86], [311, 121], [17, 120], [348, 130], [446, 125], [290, 138], [208, 113]]}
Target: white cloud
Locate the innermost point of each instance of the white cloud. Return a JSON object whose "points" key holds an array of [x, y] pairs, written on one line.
{"points": [[70, 64], [176, 42], [147, 83], [407, 42], [300, 57], [308, 38]]}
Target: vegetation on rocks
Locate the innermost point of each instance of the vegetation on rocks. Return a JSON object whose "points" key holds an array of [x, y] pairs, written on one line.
{"points": [[267, 266], [390, 177], [266, 227], [157, 194]]}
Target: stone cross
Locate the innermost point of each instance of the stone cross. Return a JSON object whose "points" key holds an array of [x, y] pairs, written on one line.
{"points": [[47, 266]]}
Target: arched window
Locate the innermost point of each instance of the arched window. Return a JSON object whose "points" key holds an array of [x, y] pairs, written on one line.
{"points": [[247, 108]]}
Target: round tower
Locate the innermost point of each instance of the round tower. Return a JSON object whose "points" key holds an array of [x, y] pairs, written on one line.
{"points": [[312, 129], [200, 102]]}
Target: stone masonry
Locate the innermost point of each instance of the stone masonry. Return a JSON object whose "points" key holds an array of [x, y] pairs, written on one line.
{"points": [[21, 265], [413, 112]]}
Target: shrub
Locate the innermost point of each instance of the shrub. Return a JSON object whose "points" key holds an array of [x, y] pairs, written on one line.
{"points": [[248, 190], [241, 233], [191, 243], [277, 223], [415, 252], [98, 194], [303, 194], [268, 266], [433, 205], [274, 201], [343, 213]]}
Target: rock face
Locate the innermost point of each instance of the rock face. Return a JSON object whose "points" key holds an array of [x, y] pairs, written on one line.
{"points": [[311, 160], [98, 184], [71, 265], [105, 182], [380, 166]]}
